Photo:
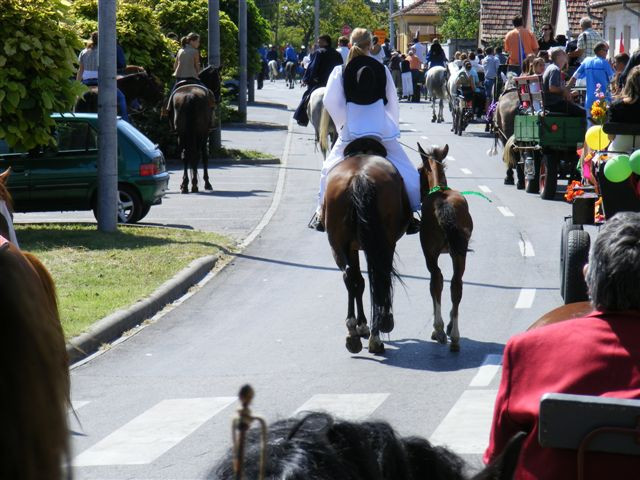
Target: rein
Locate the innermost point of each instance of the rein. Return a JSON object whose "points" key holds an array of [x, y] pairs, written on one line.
{"points": [[440, 188], [418, 151]]}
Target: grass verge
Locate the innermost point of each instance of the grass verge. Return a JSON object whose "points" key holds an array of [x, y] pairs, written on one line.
{"points": [[236, 154], [99, 273]]}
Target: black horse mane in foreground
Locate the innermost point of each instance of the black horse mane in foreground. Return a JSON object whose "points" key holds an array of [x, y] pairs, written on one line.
{"points": [[319, 447]]}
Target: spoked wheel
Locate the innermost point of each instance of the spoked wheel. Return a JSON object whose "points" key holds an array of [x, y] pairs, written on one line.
{"points": [[548, 177]]}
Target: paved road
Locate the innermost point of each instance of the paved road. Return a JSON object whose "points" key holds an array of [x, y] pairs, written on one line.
{"points": [[159, 404]]}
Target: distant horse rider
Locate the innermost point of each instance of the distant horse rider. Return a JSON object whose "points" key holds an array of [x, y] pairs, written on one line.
{"points": [[290, 54], [323, 60], [272, 54]]}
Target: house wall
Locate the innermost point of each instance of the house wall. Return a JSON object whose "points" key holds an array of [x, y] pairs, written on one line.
{"points": [[404, 35], [620, 21]]}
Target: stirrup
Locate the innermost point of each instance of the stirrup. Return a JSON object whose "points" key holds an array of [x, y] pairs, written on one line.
{"points": [[316, 223]]}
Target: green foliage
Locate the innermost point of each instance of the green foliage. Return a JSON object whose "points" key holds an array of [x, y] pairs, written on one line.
{"points": [[460, 19], [138, 32], [355, 13], [36, 64], [543, 17], [185, 16], [257, 29]]}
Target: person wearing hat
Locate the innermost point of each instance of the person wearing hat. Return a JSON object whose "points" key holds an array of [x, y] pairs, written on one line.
{"points": [[272, 54], [362, 102], [323, 60]]}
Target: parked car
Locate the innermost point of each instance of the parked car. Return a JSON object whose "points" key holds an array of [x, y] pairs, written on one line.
{"points": [[65, 177]]}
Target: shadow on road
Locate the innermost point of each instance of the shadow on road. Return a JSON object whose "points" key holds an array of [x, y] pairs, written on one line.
{"points": [[418, 354]]}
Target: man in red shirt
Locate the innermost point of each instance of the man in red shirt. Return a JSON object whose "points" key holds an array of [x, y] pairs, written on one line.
{"points": [[595, 355], [519, 42]]}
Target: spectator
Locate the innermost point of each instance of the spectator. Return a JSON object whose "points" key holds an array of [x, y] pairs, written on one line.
{"points": [[420, 48], [519, 42], [480, 54], [557, 96], [491, 64], [386, 47], [620, 62], [626, 109], [343, 48], [597, 354], [634, 61], [544, 55], [407, 80], [456, 59], [587, 40], [396, 72], [597, 71], [415, 64], [475, 63], [376, 50], [561, 40], [547, 40], [501, 56]]}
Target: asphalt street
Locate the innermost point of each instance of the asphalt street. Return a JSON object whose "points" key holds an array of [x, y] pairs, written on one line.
{"points": [[159, 405]]}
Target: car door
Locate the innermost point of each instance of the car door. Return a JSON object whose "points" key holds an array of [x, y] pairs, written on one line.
{"points": [[61, 177], [19, 179]]}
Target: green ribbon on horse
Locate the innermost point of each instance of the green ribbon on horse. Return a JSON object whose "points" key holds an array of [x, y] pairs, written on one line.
{"points": [[439, 188]]}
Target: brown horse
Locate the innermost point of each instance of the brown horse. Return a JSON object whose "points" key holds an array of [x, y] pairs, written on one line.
{"points": [[503, 128], [366, 208], [6, 209], [34, 375], [446, 227]]}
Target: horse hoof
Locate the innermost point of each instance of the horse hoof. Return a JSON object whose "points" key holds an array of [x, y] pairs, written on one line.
{"points": [[184, 190], [353, 344], [439, 336], [194, 189], [363, 331], [454, 347], [509, 180], [387, 323], [433, 120], [449, 328], [207, 186], [376, 346]]}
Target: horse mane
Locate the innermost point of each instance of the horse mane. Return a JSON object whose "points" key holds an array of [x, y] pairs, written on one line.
{"points": [[35, 382]]}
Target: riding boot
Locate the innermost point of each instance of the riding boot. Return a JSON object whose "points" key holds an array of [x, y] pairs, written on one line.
{"points": [[317, 222], [414, 226]]}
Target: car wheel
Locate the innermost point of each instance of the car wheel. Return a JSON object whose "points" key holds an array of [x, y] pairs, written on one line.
{"points": [[129, 205], [144, 212]]}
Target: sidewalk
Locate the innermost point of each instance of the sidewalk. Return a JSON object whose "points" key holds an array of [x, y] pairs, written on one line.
{"points": [[242, 193]]}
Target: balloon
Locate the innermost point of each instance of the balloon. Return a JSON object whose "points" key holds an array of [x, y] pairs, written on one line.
{"points": [[617, 169], [596, 138], [634, 161]]}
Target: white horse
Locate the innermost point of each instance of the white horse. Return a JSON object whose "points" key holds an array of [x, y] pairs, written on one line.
{"points": [[437, 88], [315, 109], [453, 74], [273, 70]]}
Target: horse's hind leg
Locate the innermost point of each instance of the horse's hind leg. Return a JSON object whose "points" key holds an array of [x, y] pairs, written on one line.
{"points": [[205, 166], [440, 112], [433, 110], [459, 262], [355, 286], [362, 328], [184, 186], [435, 288]]}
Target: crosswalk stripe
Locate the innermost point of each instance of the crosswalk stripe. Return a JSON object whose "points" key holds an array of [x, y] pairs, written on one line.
{"points": [[526, 298], [348, 406], [466, 427], [487, 371], [466, 171], [484, 188], [506, 212], [153, 432]]}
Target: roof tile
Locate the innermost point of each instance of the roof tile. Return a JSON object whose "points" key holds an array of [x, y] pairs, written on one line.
{"points": [[497, 16]]}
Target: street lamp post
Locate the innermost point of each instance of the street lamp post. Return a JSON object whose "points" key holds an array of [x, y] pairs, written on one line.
{"points": [[392, 38], [215, 140], [107, 118], [242, 34]]}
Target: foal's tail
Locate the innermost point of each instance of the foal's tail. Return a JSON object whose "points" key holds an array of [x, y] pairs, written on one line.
{"points": [[456, 237], [373, 239]]}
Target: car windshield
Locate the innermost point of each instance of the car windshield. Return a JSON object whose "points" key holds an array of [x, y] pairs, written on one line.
{"points": [[136, 135]]}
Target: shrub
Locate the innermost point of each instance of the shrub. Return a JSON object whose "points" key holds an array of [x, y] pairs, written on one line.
{"points": [[36, 64]]}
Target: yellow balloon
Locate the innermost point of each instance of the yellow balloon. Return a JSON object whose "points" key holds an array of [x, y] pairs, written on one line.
{"points": [[596, 138]]}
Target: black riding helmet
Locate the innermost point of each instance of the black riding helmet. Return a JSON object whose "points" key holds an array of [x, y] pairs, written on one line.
{"points": [[365, 81]]}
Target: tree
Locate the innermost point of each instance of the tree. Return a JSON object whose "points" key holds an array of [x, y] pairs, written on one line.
{"points": [[184, 16], [36, 62], [355, 13], [460, 19], [257, 26]]}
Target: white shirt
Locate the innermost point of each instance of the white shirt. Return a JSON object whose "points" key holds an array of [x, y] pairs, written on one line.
{"points": [[355, 121], [344, 51], [421, 52], [378, 56]]}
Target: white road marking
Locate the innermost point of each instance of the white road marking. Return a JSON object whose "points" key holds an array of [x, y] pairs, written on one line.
{"points": [[424, 138], [78, 404], [526, 298], [484, 188], [487, 371], [465, 429], [450, 159], [466, 171], [506, 212], [526, 248], [152, 433], [348, 406]]}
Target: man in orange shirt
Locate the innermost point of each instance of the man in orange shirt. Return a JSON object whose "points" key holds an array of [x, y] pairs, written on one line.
{"points": [[415, 64], [519, 42]]}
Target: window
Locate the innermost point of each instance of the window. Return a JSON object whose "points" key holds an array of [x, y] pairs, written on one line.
{"points": [[75, 136]]}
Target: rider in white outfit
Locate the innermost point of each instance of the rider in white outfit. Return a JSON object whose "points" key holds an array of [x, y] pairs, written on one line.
{"points": [[379, 119]]}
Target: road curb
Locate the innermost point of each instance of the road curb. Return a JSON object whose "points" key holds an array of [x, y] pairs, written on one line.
{"points": [[113, 326], [244, 161]]}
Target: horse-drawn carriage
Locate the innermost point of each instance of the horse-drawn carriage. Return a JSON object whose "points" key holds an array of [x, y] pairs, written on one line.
{"points": [[547, 143], [594, 200]]}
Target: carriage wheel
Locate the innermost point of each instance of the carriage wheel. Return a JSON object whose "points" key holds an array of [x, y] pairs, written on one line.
{"points": [[548, 177], [566, 228], [576, 257]]}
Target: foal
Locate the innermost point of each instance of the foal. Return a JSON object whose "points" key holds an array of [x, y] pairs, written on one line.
{"points": [[446, 228]]}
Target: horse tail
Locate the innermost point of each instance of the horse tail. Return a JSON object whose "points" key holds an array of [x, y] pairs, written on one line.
{"points": [[325, 121], [373, 239], [456, 237], [509, 155]]}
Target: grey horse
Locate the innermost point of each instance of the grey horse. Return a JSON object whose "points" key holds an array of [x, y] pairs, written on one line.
{"points": [[314, 112], [437, 88]]}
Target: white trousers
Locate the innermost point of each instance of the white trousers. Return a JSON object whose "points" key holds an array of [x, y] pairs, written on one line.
{"points": [[395, 154]]}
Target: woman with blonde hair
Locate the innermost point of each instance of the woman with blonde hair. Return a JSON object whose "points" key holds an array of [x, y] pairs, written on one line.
{"points": [[626, 109], [362, 102]]}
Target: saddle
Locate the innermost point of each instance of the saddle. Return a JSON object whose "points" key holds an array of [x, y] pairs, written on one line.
{"points": [[365, 146], [184, 84]]}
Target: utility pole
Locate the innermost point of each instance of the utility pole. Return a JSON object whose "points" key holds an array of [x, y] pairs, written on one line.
{"points": [[242, 34], [107, 118], [392, 36], [316, 23], [215, 141]]}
